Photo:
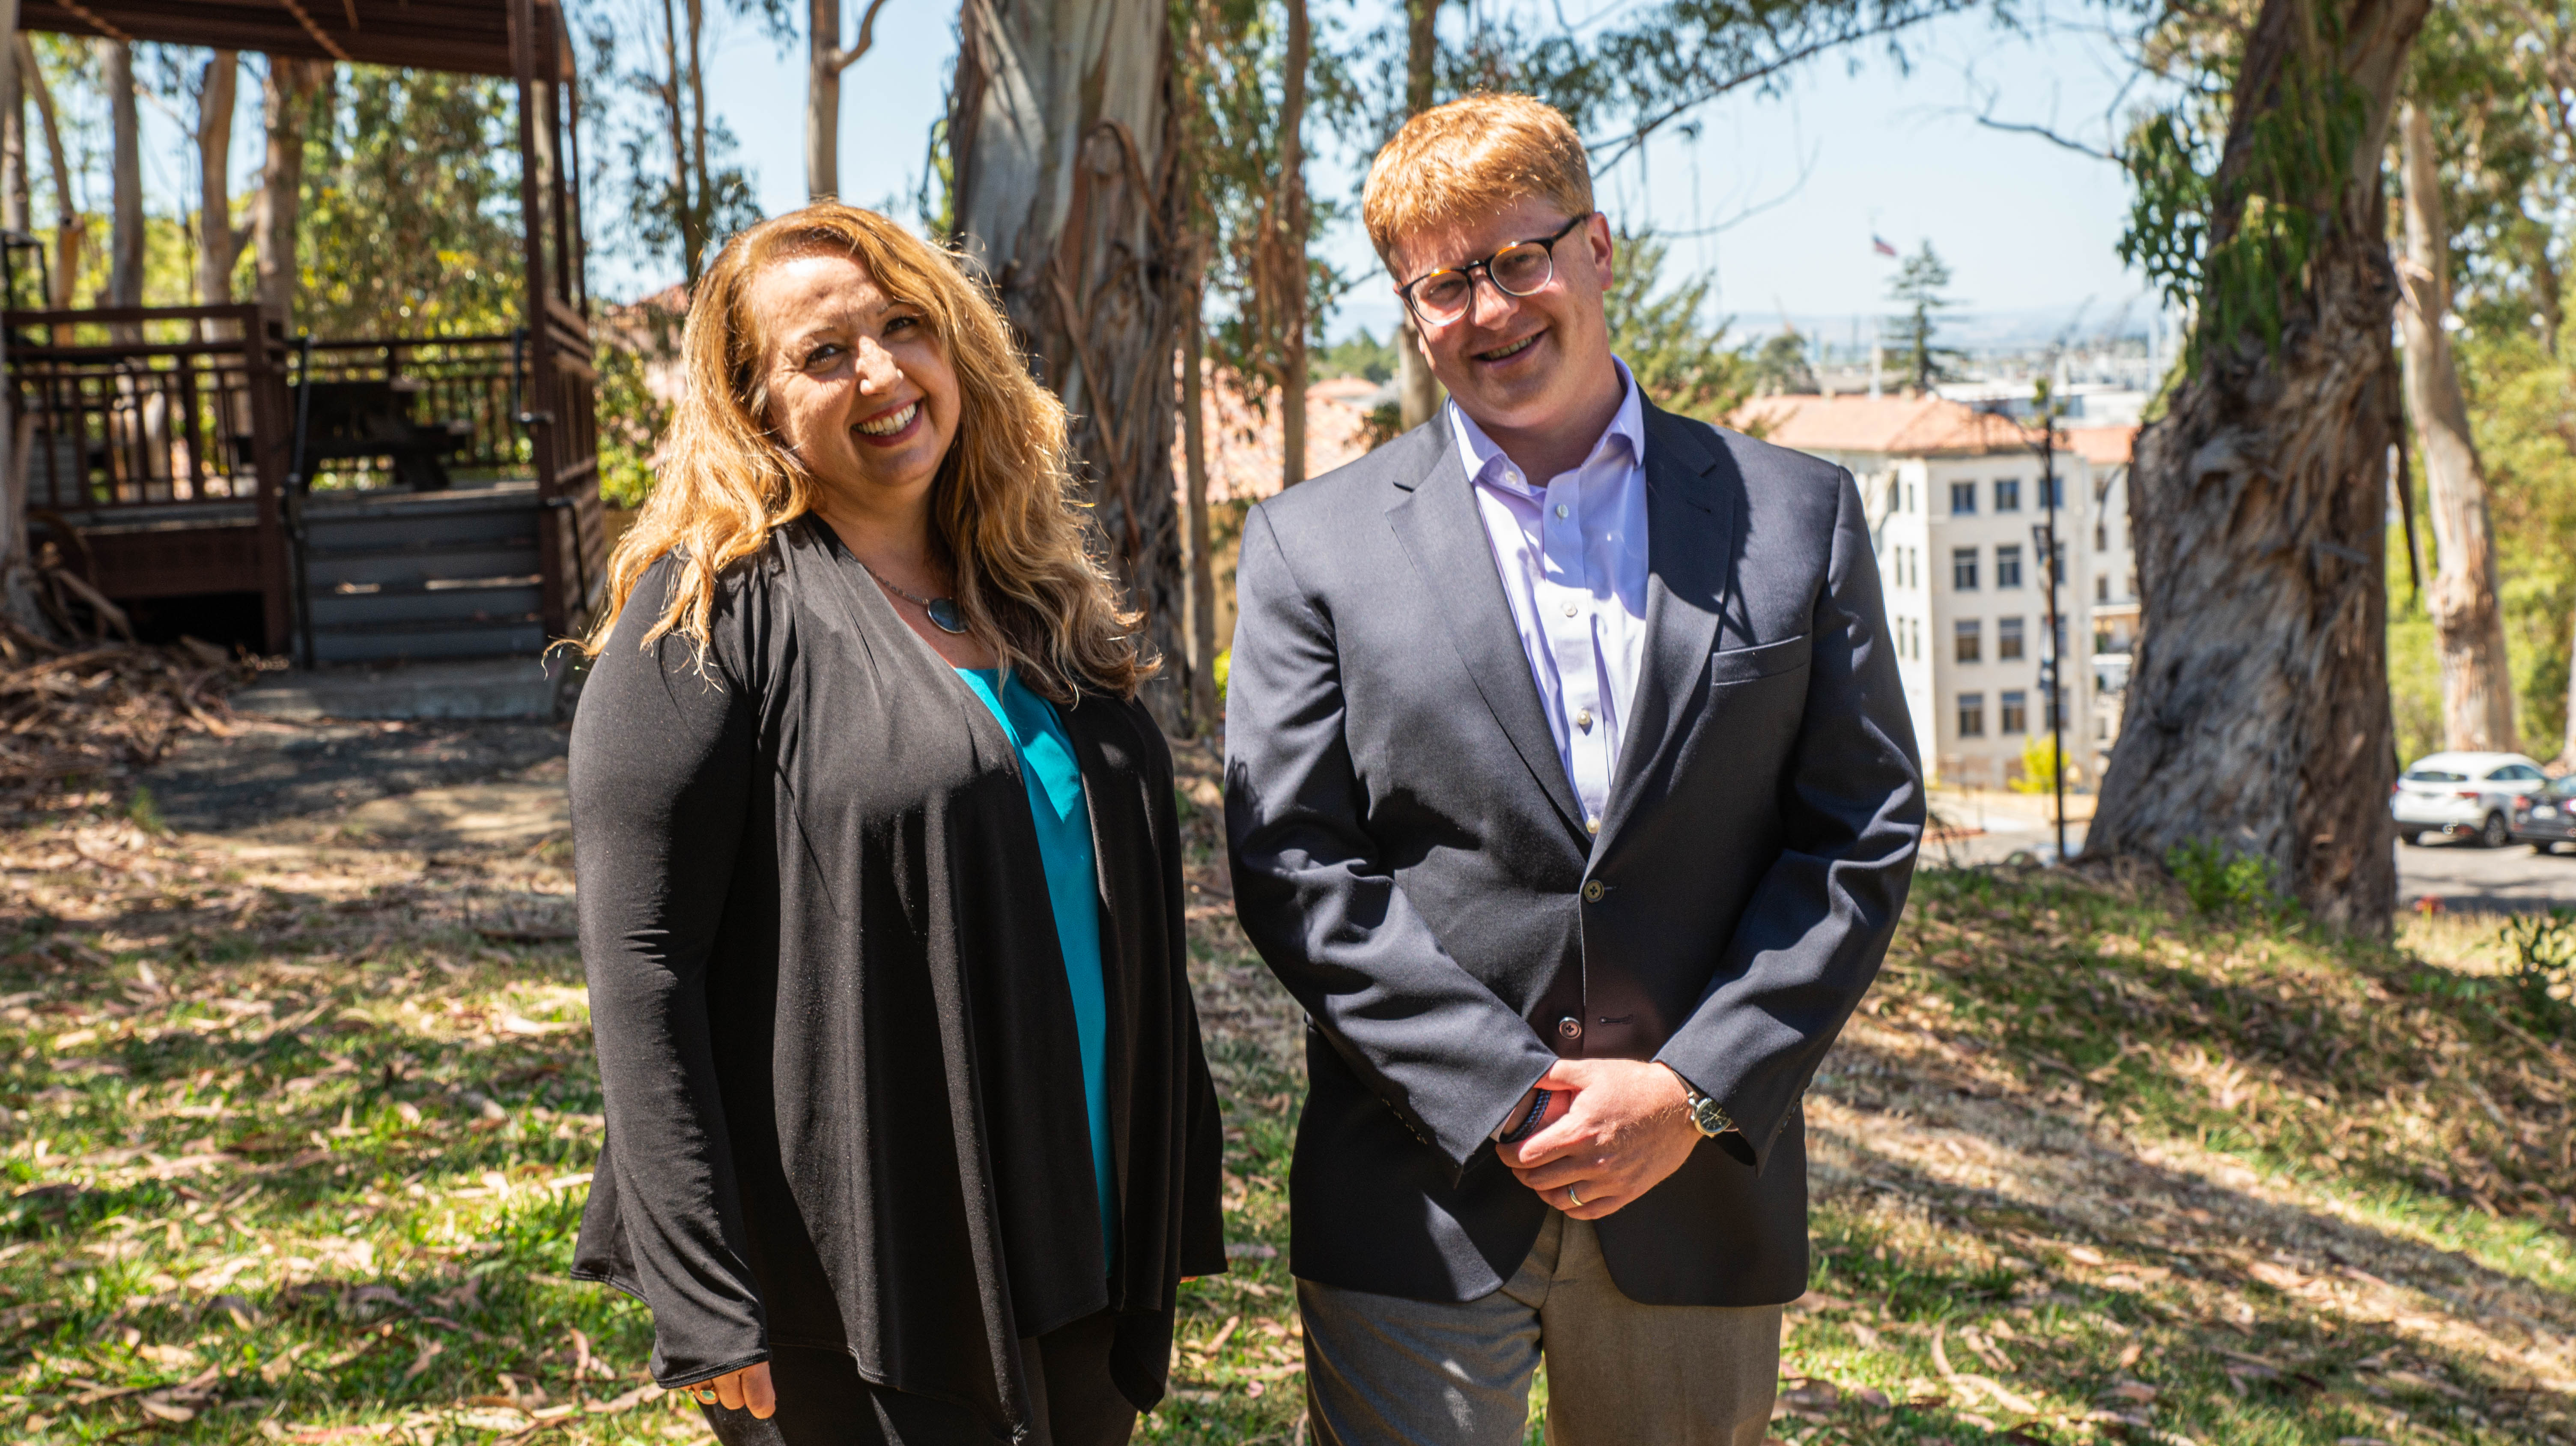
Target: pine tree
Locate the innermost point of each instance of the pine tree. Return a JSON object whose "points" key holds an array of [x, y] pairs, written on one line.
{"points": [[1921, 286]]}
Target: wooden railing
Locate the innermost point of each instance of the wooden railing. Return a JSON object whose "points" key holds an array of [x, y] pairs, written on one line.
{"points": [[471, 383], [143, 406]]}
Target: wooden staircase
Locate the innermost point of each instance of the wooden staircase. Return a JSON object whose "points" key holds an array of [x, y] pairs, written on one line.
{"points": [[451, 574]]}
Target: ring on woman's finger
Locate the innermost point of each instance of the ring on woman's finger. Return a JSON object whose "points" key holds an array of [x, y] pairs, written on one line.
{"points": [[704, 1393], [1571, 1198]]}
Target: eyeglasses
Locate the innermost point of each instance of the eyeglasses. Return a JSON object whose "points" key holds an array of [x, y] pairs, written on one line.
{"points": [[1440, 297]]}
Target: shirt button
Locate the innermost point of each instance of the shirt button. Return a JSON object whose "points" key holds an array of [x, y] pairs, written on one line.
{"points": [[1570, 609], [1583, 720], [1570, 1027], [1592, 825], [1593, 891], [1561, 511]]}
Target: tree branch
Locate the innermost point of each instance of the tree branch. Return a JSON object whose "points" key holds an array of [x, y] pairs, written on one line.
{"points": [[1637, 134], [2029, 128], [847, 56]]}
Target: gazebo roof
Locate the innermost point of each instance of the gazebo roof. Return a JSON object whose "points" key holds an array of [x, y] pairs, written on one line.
{"points": [[469, 37]]}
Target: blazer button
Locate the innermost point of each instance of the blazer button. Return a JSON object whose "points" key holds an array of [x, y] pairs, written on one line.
{"points": [[1571, 1027], [1593, 891]]}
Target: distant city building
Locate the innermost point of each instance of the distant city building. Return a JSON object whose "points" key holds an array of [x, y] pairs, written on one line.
{"points": [[1957, 510]]}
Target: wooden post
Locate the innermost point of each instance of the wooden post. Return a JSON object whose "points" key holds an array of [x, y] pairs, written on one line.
{"points": [[537, 396], [264, 376]]}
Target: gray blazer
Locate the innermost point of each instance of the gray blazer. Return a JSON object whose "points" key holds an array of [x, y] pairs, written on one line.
{"points": [[1410, 859]]}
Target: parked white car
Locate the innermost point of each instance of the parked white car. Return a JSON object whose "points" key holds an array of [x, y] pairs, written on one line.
{"points": [[2463, 795]]}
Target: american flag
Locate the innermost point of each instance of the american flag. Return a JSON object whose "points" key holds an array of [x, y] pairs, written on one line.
{"points": [[1880, 246]]}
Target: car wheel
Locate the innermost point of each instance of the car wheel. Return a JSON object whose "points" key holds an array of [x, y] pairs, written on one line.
{"points": [[2493, 834], [2411, 836], [2544, 847]]}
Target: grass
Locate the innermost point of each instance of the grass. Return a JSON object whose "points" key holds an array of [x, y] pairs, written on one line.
{"points": [[298, 1126]]}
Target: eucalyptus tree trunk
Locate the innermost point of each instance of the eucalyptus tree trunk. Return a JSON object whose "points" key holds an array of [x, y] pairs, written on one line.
{"points": [[1417, 391], [1198, 580], [1062, 138], [71, 228], [125, 235], [825, 58], [17, 204], [2258, 716], [219, 241], [18, 602], [2567, 746], [2468, 623], [287, 106], [1287, 249]]}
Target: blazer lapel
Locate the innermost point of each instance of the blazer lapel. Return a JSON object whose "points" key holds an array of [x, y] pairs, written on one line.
{"points": [[1436, 520], [1690, 551]]}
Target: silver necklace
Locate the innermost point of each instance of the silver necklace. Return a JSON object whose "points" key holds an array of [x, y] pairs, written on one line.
{"points": [[942, 610]]}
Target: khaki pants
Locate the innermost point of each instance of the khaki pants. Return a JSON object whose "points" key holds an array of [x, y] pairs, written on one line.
{"points": [[1385, 1371]]}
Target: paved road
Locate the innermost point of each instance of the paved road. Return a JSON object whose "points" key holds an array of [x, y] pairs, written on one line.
{"points": [[2461, 875]]}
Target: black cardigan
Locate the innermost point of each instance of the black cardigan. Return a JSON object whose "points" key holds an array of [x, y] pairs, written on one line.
{"points": [[844, 1091]]}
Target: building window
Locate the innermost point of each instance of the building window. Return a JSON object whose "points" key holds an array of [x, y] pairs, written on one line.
{"points": [[2052, 492], [2008, 565], [2057, 639], [1963, 569], [2102, 588], [2007, 639], [1910, 498], [2101, 537], [1963, 499], [1972, 715], [2056, 563], [1970, 640], [2014, 715], [2007, 494], [2056, 708]]}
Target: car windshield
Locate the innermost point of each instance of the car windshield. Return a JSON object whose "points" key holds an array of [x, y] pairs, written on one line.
{"points": [[2435, 775], [2565, 787]]}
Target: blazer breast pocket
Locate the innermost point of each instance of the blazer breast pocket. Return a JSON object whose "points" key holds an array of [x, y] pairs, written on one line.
{"points": [[1765, 660]]}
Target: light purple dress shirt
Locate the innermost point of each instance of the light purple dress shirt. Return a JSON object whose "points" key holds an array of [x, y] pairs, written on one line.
{"points": [[1572, 554]]}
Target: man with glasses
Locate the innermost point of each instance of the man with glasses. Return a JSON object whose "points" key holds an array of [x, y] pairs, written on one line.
{"points": [[1570, 790]]}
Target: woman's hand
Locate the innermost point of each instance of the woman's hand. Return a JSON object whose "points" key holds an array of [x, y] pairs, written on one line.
{"points": [[746, 1389]]}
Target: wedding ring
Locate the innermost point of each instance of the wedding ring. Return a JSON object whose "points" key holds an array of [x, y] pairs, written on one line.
{"points": [[704, 1395], [1571, 1198]]}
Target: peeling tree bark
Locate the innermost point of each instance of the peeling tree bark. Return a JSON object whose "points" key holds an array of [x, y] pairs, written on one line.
{"points": [[2258, 717], [1062, 135], [2468, 624]]}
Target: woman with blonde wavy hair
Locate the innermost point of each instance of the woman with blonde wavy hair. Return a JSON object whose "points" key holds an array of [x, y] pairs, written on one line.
{"points": [[910, 1139]]}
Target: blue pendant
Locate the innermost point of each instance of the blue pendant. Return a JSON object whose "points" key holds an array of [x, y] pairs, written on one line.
{"points": [[944, 615]]}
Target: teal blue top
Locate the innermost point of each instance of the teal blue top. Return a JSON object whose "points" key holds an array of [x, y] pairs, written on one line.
{"points": [[1063, 822]]}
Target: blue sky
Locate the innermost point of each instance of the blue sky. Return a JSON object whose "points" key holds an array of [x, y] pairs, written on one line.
{"points": [[2028, 228], [1852, 148]]}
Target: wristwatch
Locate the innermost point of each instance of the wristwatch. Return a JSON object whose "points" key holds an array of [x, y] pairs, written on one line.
{"points": [[1706, 1115]]}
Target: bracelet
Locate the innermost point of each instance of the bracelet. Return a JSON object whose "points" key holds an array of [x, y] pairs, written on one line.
{"points": [[1529, 1122]]}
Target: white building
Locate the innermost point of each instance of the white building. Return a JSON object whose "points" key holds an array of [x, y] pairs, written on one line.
{"points": [[1958, 510]]}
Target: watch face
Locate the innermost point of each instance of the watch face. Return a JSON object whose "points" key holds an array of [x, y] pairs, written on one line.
{"points": [[1709, 1115]]}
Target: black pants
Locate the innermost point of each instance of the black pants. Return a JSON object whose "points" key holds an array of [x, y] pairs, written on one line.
{"points": [[822, 1401]]}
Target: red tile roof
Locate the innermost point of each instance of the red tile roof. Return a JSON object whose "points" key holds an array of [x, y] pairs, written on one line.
{"points": [[1897, 426], [2103, 446]]}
